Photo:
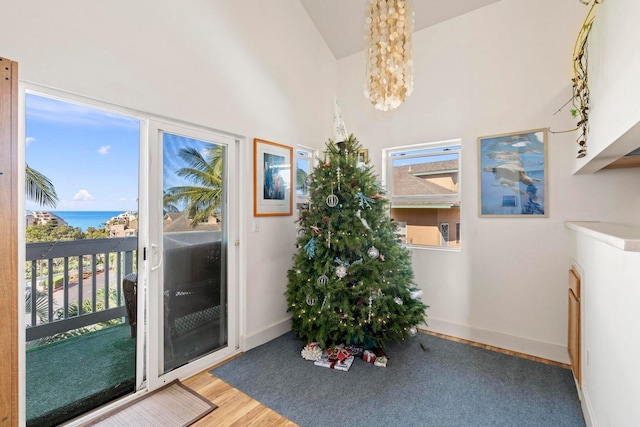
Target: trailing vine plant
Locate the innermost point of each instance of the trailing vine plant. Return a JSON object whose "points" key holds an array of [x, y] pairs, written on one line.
{"points": [[580, 81]]}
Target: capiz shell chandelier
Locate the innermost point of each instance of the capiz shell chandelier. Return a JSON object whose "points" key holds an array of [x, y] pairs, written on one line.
{"points": [[389, 53]]}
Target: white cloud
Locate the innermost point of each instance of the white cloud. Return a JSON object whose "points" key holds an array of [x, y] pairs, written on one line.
{"points": [[519, 144], [29, 140], [83, 195], [104, 149]]}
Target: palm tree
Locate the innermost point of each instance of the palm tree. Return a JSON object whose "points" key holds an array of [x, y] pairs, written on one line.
{"points": [[39, 188], [301, 180], [204, 197]]}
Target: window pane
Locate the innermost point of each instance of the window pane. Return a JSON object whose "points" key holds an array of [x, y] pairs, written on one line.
{"points": [[303, 168], [424, 193]]}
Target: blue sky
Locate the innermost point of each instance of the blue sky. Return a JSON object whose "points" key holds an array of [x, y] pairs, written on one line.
{"points": [[90, 155]]}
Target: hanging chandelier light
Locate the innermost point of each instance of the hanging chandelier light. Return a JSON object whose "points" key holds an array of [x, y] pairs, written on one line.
{"points": [[389, 53]]}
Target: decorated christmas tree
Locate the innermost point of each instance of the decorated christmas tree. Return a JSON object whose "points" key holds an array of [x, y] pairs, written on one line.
{"points": [[351, 282]]}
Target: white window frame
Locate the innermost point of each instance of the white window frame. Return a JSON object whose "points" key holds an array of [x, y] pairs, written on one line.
{"points": [[388, 156]]}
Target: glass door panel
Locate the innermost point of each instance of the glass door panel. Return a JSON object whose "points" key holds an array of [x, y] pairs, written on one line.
{"points": [[81, 242], [194, 250]]}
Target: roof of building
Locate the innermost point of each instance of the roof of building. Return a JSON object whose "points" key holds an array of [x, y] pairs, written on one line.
{"points": [[179, 221], [405, 183]]}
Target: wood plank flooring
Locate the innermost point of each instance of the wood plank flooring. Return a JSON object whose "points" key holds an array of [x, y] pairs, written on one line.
{"points": [[234, 407]]}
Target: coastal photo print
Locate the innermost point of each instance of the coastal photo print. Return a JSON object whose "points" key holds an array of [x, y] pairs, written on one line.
{"points": [[513, 174], [272, 178]]}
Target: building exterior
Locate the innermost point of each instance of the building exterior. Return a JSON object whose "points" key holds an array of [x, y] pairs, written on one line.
{"points": [[429, 220], [43, 218]]}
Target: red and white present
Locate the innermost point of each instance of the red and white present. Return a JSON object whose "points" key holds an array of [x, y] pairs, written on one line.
{"points": [[369, 356], [334, 363]]}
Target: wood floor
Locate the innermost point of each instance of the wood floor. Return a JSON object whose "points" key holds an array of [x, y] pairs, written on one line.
{"points": [[234, 407]]}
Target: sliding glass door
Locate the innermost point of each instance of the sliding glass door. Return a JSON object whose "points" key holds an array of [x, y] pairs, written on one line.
{"points": [[192, 254], [131, 253], [81, 168]]}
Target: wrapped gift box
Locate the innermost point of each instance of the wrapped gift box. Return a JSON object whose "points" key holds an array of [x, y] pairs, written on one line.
{"points": [[336, 364], [368, 356]]}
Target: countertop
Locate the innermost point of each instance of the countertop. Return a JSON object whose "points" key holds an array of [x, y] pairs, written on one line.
{"points": [[623, 237]]}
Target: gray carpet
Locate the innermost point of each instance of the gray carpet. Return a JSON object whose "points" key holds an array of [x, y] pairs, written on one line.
{"points": [[451, 384]]}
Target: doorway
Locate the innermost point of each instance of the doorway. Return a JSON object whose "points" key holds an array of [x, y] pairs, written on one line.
{"points": [[110, 203]]}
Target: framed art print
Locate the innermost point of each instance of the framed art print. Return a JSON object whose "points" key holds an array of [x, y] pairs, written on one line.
{"points": [[272, 179], [513, 174]]}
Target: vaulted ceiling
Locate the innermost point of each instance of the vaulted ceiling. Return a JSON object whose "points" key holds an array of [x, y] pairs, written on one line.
{"points": [[341, 22]]}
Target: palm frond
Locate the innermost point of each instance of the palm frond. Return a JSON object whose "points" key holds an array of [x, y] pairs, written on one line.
{"points": [[39, 188]]}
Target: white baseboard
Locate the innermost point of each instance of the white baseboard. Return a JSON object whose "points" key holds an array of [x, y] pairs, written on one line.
{"points": [[264, 335], [545, 350], [587, 410]]}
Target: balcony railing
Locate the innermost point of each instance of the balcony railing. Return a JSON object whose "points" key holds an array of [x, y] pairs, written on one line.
{"points": [[65, 276]]}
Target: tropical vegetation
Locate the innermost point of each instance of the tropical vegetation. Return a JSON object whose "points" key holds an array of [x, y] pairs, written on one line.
{"points": [[203, 198]]}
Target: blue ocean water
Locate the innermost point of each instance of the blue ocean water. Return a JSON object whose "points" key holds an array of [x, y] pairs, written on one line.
{"points": [[84, 219]]}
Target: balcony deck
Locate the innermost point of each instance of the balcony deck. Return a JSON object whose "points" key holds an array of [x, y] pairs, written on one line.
{"points": [[71, 376], [80, 353]]}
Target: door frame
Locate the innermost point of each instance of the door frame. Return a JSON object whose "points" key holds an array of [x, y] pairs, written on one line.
{"points": [[10, 352]]}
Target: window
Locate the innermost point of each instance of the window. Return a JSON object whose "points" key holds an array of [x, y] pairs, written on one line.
{"points": [[304, 167], [444, 234], [423, 186]]}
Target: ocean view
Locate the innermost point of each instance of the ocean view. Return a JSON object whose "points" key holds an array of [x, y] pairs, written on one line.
{"points": [[84, 219]]}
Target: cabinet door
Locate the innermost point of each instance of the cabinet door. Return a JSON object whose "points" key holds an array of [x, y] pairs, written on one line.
{"points": [[574, 334]]}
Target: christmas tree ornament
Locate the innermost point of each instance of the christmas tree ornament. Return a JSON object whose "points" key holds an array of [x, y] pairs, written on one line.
{"points": [[323, 280], [339, 129], [363, 200], [416, 294], [341, 271], [398, 300], [413, 331], [324, 301], [310, 247], [311, 351], [332, 200], [311, 300], [309, 180], [362, 220], [373, 252], [338, 176]]}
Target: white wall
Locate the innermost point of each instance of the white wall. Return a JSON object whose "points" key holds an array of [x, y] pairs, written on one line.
{"points": [[502, 68], [251, 68]]}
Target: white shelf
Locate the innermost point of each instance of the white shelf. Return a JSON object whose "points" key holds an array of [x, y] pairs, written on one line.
{"points": [[623, 237]]}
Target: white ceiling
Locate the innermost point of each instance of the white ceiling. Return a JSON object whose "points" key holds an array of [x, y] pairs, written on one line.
{"points": [[341, 22]]}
